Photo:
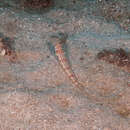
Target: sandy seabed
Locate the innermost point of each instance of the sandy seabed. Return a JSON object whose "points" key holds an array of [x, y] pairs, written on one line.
{"points": [[36, 94]]}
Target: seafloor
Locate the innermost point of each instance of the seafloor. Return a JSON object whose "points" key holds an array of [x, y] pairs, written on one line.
{"points": [[36, 94]]}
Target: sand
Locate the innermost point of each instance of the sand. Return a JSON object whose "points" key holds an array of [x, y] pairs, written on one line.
{"points": [[35, 92]]}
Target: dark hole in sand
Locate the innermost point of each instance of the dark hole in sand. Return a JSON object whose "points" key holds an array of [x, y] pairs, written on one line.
{"points": [[7, 46], [118, 57], [36, 4]]}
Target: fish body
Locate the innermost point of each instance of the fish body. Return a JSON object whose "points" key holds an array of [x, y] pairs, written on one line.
{"points": [[64, 62]]}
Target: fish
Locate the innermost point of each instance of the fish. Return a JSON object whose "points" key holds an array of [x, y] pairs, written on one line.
{"points": [[63, 61]]}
